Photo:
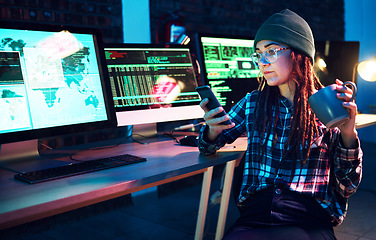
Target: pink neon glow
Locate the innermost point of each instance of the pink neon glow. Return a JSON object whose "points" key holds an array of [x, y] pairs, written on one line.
{"points": [[166, 89], [59, 45]]}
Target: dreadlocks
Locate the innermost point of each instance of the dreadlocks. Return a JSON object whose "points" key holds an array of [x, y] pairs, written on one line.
{"points": [[304, 126]]}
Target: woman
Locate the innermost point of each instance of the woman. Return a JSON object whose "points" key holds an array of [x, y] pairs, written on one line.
{"points": [[297, 173]]}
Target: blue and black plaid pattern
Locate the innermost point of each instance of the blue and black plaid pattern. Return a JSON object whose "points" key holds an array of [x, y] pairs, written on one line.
{"points": [[330, 175]]}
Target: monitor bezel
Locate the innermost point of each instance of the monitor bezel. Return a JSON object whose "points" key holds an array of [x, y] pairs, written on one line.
{"points": [[111, 122]]}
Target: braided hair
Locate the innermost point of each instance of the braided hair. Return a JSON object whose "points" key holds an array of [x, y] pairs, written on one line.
{"points": [[303, 125]]}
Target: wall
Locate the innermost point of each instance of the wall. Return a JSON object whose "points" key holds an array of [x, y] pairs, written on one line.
{"points": [[136, 21], [243, 17], [360, 26], [106, 15]]}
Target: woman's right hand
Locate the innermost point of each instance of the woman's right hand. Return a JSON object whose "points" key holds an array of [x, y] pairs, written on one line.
{"points": [[215, 128]]}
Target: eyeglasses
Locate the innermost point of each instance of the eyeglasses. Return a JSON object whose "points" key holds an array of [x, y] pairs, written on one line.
{"points": [[270, 55]]}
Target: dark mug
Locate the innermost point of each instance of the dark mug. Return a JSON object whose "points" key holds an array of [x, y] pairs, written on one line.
{"points": [[328, 108]]}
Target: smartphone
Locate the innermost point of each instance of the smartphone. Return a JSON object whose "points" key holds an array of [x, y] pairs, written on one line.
{"points": [[206, 92]]}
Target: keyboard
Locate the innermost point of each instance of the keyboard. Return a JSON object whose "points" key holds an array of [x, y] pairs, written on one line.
{"points": [[77, 168]]}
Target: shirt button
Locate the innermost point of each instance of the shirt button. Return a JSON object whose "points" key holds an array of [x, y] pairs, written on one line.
{"points": [[278, 191]]}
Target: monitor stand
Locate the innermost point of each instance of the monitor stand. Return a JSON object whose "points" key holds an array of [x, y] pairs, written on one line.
{"points": [[24, 157], [141, 132]]}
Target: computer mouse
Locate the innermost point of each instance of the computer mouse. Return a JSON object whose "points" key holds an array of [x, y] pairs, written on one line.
{"points": [[189, 141]]}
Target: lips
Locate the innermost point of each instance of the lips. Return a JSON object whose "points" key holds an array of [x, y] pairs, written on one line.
{"points": [[267, 72]]}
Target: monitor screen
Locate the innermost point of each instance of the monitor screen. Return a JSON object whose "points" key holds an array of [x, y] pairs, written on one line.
{"points": [[152, 83], [226, 66], [53, 81]]}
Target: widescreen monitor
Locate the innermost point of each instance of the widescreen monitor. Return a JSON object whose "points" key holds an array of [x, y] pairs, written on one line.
{"points": [[226, 65], [152, 83], [53, 81]]}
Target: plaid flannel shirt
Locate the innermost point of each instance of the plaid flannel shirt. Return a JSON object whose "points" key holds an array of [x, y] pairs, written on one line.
{"points": [[330, 175]]}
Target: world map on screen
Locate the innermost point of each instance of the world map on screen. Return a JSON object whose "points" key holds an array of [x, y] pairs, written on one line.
{"points": [[39, 89]]}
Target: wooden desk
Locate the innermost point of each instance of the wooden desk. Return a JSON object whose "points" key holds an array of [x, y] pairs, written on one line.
{"points": [[166, 161]]}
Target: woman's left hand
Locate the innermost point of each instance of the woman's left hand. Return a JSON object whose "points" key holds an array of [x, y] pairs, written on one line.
{"points": [[348, 131]]}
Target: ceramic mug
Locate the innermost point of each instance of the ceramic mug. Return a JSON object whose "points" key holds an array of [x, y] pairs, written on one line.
{"points": [[328, 108]]}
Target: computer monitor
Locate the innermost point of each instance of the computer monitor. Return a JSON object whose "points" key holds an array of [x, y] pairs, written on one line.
{"points": [[226, 65], [335, 59], [53, 81], [152, 83]]}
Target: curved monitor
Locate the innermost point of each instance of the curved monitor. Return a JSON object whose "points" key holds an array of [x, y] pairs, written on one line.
{"points": [[53, 81], [226, 66], [152, 83]]}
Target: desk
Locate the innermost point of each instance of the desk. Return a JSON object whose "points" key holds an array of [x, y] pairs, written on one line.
{"points": [[365, 120], [166, 161]]}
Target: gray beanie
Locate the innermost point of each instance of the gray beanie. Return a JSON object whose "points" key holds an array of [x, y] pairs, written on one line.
{"points": [[288, 28]]}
